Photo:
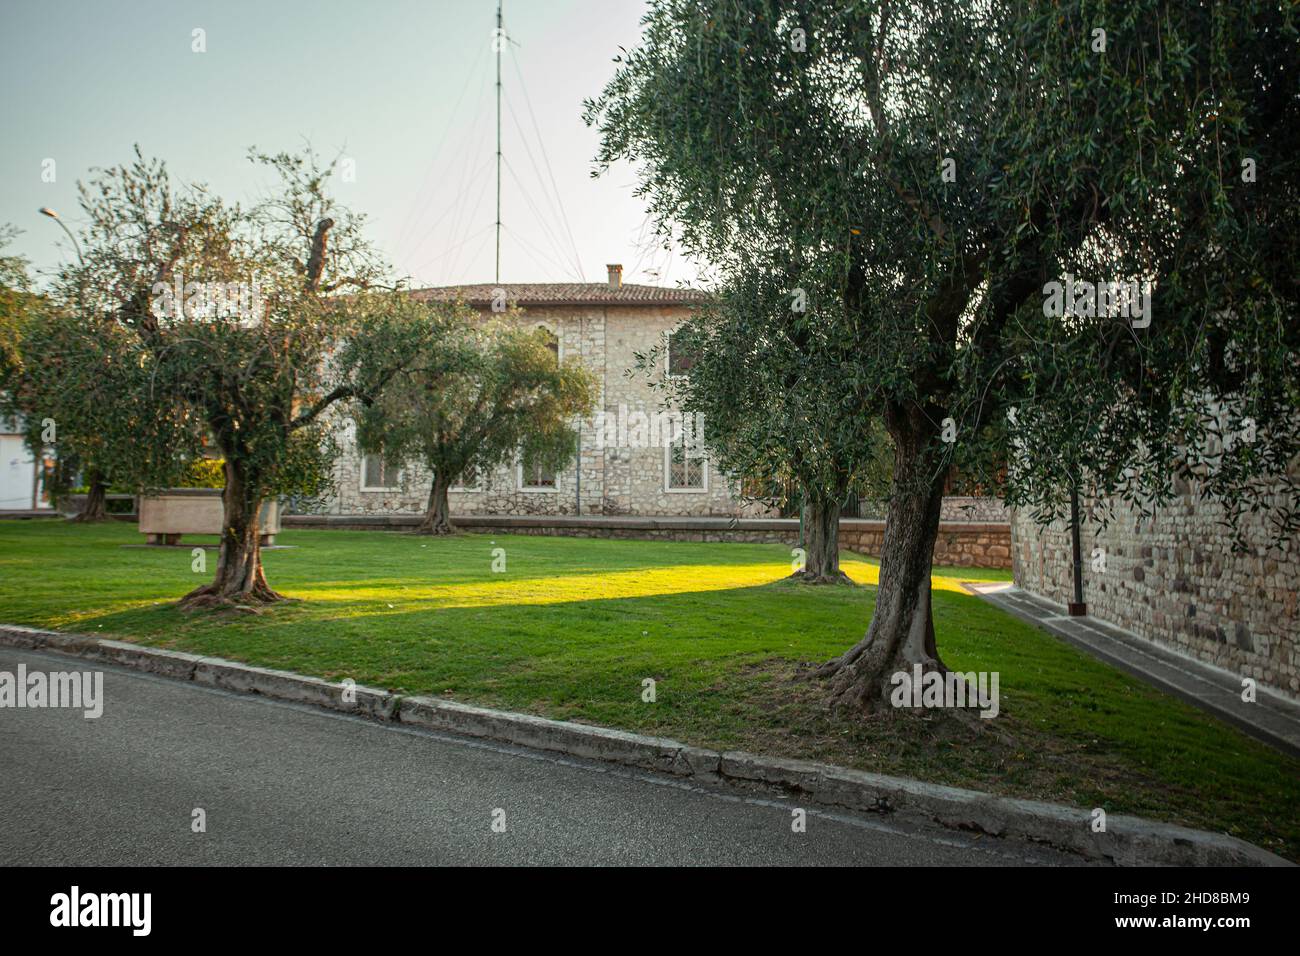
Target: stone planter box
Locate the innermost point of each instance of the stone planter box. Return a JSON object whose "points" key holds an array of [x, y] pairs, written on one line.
{"points": [[165, 517]]}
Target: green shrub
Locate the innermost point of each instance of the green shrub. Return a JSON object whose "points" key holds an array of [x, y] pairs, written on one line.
{"points": [[204, 473]]}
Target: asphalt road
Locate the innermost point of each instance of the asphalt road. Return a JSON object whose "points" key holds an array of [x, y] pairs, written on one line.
{"points": [[282, 784]]}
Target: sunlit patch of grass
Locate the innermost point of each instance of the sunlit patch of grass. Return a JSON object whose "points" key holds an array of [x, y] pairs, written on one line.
{"points": [[864, 571], [560, 588]]}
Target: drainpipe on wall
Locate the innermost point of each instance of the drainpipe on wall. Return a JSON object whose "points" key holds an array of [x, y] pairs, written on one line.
{"points": [[577, 494], [1076, 607]]}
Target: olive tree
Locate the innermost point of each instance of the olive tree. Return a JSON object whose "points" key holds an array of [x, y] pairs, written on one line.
{"points": [[76, 389], [242, 318], [767, 380], [1069, 227], [481, 394], [16, 302]]}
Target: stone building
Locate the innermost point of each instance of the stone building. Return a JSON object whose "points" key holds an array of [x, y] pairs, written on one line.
{"points": [[627, 463], [1175, 579]]}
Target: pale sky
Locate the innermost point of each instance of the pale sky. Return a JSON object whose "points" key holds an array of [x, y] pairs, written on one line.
{"points": [[404, 88]]}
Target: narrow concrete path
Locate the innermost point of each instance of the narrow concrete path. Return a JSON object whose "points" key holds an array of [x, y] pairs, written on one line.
{"points": [[1271, 718]]}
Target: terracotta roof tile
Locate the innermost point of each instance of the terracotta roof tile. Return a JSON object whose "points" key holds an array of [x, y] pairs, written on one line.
{"points": [[564, 293]]}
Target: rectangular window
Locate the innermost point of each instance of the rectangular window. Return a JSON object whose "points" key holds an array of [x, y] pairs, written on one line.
{"points": [[552, 341], [534, 477], [468, 480], [684, 470], [377, 474], [680, 359]]}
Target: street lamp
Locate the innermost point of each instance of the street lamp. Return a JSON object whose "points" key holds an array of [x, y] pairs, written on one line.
{"points": [[47, 211]]}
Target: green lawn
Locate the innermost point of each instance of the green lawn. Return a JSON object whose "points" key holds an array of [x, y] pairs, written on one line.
{"points": [[573, 626]]}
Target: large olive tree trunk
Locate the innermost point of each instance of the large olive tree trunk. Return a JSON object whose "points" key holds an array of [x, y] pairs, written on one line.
{"points": [[437, 515], [240, 580], [901, 634], [96, 506], [821, 542]]}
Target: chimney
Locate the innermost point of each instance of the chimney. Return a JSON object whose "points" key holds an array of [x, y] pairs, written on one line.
{"points": [[615, 276]]}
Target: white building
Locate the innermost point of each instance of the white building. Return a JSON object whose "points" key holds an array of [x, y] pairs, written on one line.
{"points": [[22, 487]]}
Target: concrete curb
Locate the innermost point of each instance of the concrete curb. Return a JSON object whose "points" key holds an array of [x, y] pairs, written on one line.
{"points": [[1128, 841]]}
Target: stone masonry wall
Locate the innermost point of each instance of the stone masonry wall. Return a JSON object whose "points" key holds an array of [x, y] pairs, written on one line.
{"points": [[614, 480], [968, 509], [958, 508], [1174, 580], [972, 544], [959, 544]]}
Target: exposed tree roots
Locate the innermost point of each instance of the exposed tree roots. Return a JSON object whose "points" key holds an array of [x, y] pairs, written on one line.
{"points": [[210, 597], [430, 526], [812, 577]]}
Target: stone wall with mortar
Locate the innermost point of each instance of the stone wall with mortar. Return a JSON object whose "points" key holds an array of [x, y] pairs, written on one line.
{"points": [[616, 477], [970, 509], [959, 544], [1175, 580], [958, 508]]}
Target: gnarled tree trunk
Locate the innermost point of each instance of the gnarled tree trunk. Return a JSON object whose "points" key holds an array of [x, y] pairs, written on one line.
{"points": [[240, 580], [96, 506], [437, 516], [901, 634], [821, 542]]}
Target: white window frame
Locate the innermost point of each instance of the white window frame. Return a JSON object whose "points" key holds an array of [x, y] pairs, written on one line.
{"points": [[366, 487], [668, 471]]}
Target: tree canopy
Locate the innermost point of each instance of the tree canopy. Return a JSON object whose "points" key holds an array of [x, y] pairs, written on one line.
{"points": [[936, 170], [233, 320], [486, 393], [768, 380]]}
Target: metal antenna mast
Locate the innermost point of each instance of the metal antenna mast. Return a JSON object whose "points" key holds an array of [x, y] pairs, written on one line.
{"points": [[499, 41]]}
